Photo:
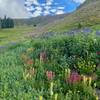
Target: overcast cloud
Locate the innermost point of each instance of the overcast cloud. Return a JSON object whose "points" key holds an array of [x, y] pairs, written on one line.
{"points": [[13, 8]]}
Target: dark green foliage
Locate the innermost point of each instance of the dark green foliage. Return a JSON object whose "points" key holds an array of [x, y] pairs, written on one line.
{"points": [[79, 51], [98, 77], [7, 23], [34, 25], [79, 25]]}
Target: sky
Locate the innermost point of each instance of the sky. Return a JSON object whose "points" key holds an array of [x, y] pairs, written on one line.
{"points": [[34, 8]]}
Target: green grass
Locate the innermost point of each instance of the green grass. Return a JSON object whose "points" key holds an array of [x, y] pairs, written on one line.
{"points": [[13, 35], [96, 27], [63, 52]]}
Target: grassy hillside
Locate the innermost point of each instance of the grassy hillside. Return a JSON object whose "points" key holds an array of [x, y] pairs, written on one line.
{"points": [[87, 14], [13, 35], [39, 21], [89, 1]]}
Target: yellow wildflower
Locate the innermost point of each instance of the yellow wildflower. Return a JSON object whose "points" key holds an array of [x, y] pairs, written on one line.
{"points": [[40, 98], [97, 98], [85, 79], [24, 57], [67, 73], [94, 84], [51, 88], [90, 80], [29, 49], [25, 76], [56, 96]]}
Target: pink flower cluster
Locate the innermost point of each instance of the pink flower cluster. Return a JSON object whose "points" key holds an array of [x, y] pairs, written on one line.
{"points": [[98, 53], [50, 75], [74, 78], [30, 62], [43, 56]]}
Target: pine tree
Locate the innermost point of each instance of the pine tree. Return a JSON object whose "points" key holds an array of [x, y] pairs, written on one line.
{"points": [[0, 23], [11, 23], [7, 23], [79, 25]]}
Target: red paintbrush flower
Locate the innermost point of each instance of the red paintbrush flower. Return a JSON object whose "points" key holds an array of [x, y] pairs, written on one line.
{"points": [[98, 53], [30, 62], [50, 75], [43, 56], [74, 78]]}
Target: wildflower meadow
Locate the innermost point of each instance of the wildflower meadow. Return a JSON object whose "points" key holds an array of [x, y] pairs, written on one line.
{"points": [[62, 67]]}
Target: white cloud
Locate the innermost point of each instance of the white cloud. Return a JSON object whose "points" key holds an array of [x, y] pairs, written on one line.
{"points": [[28, 3], [53, 10], [60, 12], [61, 8], [30, 8], [79, 1], [16, 8], [38, 8], [46, 12], [49, 2], [35, 2], [36, 13], [47, 7], [12, 8]]}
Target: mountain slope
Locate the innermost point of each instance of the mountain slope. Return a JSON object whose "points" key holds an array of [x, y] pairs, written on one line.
{"points": [[39, 21], [87, 14]]}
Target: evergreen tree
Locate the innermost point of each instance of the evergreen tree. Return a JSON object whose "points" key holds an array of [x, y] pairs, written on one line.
{"points": [[7, 23], [0, 22], [79, 25], [11, 23]]}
